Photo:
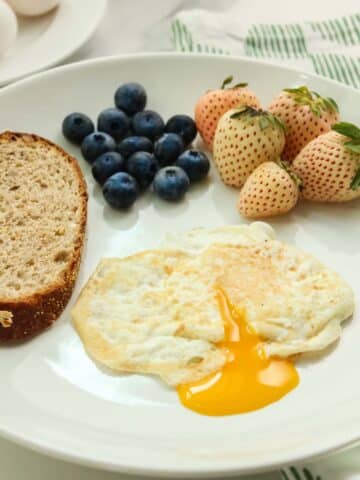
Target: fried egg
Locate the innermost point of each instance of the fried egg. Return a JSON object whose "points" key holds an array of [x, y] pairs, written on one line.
{"points": [[263, 379], [292, 301], [197, 239], [215, 313]]}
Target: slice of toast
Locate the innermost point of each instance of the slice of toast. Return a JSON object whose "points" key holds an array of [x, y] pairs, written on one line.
{"points": [[43, 210]]}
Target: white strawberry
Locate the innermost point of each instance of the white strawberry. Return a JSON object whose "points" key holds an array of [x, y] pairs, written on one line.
{"points": [[214, 103], [329, 166], [245, 138], [272, 189], [305, 115]]}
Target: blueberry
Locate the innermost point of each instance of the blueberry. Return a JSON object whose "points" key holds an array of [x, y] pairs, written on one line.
{"points": [[196, 164], [106, 165], [130, 97], [120, 190], [134, 144], [96, 144], [114, 122], [184, 126], [171, 183], [148, 124], [76, 126], [142, 166], [167, 148]]}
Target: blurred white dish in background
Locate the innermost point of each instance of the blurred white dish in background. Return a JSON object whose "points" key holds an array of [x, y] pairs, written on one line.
{"points": [[33, 7], [8, 27], [41, 42]]}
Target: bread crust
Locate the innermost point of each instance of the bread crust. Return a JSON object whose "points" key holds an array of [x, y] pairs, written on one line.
{"points": [[27, 316]]}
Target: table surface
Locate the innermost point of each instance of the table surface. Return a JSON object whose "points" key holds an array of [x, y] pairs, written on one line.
{"points": [[124, 29]]}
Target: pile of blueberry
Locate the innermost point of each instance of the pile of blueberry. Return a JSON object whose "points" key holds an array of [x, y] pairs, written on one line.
{"points": [[133, 148]]}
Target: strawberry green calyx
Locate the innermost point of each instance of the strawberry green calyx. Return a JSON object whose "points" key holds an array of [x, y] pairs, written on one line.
{"points": [[286, 166], [352, 132], [228, 80], [266, 119], [355, 183], [347, 129], [316, 103]]}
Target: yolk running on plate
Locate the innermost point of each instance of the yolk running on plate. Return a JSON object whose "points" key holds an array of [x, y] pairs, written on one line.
{"points": [[248, 381]]}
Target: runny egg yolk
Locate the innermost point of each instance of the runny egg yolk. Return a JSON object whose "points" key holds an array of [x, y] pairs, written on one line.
{"points": [[248, 381]]}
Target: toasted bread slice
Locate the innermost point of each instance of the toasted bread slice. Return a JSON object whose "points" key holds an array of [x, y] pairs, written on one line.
{"points": [[43, 210]]}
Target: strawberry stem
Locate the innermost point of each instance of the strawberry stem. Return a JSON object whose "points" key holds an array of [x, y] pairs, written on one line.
{"points": [[228, 80], [244, 110], [240, 85], [286, 166], [316, 103], [266, 119]]}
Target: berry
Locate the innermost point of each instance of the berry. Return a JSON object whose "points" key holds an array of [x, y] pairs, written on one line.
{"points": [[214, 103], [196, 164], [167, 148], [131, 98], [270, 190], [171, 183], [329, 165], [182, 125], [76, 126], [143, 167], [245, 138], [305, 115], [106, 165], [134, 144], [148, 124], [114, 122], [96, 144], [120, 190]]}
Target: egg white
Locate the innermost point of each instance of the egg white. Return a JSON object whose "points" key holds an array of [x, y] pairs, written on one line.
{"points": [[158, 312]]}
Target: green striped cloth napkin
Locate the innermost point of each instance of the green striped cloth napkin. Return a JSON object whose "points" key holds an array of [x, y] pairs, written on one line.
{"points": [[330, 47]]}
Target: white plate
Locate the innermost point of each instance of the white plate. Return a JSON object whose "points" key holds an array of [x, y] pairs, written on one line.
{"points": [[47, 40], [55, 399]]}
